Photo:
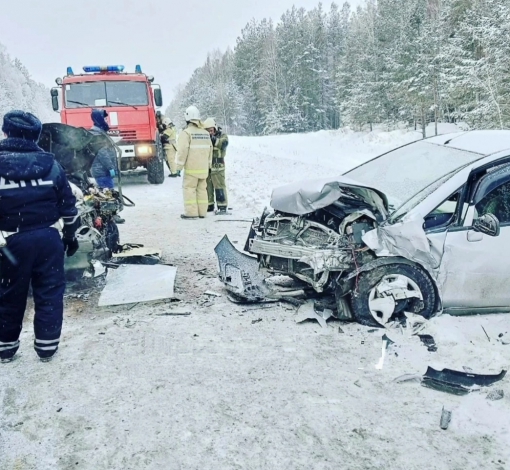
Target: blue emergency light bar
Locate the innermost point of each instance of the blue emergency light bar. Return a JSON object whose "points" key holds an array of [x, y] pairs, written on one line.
{"points": [[103, 68], [138, 69], [70, 71]]}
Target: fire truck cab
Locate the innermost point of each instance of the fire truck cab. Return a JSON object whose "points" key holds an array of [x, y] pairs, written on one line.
{"points": [[130, 99]]}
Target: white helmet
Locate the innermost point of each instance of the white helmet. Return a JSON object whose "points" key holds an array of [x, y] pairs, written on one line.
{"points": [[210, 123], [192, 114], [167, 121]]}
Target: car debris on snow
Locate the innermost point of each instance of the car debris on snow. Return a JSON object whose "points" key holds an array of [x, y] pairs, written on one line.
{"points": [[446, 417], [183, 313], [308, 312], [138, 283], [457, 382], [98, 268], [137, 254], [429, 342], [503, 338], [212, 294], [494, 395]]}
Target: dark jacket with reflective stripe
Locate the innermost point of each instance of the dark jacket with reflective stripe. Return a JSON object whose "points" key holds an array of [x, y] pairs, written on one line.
{"points": [[34, 191]]}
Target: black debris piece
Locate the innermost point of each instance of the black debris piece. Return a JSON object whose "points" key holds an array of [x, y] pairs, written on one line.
{"points": [[456, 382], [429, 342], [389, 341], [442, 386]]}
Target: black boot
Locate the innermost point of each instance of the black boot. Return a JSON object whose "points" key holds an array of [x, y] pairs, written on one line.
{"points": [[222, 210], [210, 208]]}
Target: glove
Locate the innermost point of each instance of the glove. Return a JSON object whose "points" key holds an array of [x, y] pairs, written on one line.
{"points": [[112, 173], [71, 245], [165, 139]]}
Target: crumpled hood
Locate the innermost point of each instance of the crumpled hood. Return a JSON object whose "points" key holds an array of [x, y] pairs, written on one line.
{"points": [[22, 160], [75, 148], [308, 196]]}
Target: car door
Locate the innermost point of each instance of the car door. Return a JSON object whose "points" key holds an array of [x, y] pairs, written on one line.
{"points": [[475, 268]]}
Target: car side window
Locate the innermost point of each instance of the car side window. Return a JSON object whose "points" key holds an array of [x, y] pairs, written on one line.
{"points": [[444, 214], [496, 202]]}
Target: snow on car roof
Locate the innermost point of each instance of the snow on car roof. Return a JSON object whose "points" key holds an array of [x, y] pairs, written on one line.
{"points": [[482, 142]]}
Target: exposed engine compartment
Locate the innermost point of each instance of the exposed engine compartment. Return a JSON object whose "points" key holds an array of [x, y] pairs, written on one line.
{"points": [[312, 246], [314, 235], [98, 234]]}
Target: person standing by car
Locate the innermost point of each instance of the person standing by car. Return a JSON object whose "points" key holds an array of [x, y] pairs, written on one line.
{"points": [[216, 182], [194, 155], [34, 195], [104, 167], [169, 139]]}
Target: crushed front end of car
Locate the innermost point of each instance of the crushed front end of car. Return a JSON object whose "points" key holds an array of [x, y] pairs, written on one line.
{"points": [[314, 235], [327, 235]]}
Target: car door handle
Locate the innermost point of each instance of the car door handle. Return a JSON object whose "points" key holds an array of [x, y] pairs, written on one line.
{"points": [[473, 236]]}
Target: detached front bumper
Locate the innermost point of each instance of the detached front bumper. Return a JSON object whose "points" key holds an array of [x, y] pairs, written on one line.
{"points": [[240, 273]]}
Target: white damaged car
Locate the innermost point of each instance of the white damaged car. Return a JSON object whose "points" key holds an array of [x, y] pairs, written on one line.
{"points": [[422, 228]]}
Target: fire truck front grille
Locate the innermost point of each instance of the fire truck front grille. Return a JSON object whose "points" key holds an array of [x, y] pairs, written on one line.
{"points": [[128, 135]]}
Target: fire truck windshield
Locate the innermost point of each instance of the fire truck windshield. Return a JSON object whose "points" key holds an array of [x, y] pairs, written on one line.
{"points": [[104, 94]]}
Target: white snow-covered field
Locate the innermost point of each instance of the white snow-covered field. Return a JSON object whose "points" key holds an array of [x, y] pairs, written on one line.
{"points": [[134, 389]]}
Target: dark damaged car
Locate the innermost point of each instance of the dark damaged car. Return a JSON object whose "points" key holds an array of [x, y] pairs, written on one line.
{"points": [[75, 149], [420, 229]]}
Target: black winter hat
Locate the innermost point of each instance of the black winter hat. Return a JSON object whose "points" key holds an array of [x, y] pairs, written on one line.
{"points": [[22, 125]]}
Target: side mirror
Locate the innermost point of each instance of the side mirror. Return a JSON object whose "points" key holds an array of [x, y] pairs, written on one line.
{"points": [[158, 97], [54, 99], [487, 224]]}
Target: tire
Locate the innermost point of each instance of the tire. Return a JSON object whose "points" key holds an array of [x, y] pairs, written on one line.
{"points": [[112, 238], [156, 171], [417, 280]]}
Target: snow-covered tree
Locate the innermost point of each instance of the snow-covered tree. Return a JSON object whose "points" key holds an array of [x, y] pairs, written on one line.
{"points": [[390, 61], [19, 91]]}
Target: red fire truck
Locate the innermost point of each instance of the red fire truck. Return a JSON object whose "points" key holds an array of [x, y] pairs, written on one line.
{"points": [[130, 100]]}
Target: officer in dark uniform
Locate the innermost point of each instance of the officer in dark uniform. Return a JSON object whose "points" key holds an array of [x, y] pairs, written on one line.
{"points": [[35, 197]]}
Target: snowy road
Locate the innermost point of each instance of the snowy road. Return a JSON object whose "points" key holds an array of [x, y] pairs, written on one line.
{"points": [[132, 389]]}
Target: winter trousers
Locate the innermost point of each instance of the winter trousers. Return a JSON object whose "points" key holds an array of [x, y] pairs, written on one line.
{"points": [[195, 196], [105, 182], [40, 260], [217, 187], [170, 158]]}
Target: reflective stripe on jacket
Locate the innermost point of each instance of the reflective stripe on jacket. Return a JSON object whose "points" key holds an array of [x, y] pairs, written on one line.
{"points": [[194, 151]]}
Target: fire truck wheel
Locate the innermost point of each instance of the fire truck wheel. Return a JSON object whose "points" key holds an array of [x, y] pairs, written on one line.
{"points": [[156, 171]]}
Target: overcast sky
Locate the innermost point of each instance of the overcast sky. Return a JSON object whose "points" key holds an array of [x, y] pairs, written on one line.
{"points": [[169, 38]]}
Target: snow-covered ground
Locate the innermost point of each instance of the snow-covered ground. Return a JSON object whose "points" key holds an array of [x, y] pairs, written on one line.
{"points": [[131, 389]]}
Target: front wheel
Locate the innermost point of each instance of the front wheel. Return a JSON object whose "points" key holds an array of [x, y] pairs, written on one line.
{"points": [[387, 291], [155, 171]]}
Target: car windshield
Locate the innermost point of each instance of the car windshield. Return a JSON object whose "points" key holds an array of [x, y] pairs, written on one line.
{"points": [[109, 93], [408, 171]]}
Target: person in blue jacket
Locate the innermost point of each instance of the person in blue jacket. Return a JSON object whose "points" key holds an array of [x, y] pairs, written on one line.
{"points": [[104, 167], [34, 197]]}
